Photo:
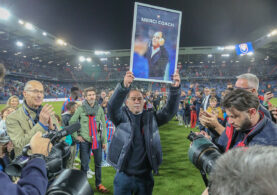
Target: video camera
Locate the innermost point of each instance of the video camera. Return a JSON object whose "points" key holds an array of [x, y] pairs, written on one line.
{"points": [[56, 165], [203, 154]]}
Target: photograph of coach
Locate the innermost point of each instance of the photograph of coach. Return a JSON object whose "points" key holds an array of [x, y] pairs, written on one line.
{"points": [[157, 56]]}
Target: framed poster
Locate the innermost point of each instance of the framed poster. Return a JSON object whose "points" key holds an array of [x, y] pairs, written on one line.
{"points": [[155, 43]]}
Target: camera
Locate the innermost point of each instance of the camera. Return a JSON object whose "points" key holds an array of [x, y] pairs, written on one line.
{"points": [[202, 153], [62, 180]]}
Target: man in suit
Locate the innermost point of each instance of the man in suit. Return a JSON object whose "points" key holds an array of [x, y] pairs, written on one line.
{"points": [[157, 56]]}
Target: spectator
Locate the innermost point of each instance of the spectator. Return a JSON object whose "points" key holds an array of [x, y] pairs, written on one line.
{"points": [[4, 113], [247, 126], [186, 108], [206, 98], [13, 102], [245, 171], [134, 163], [31, 117], [74, 96], [92, 135], [102, 97]]}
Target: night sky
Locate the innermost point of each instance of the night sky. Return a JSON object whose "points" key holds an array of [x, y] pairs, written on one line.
{"points": [[103, 24]]}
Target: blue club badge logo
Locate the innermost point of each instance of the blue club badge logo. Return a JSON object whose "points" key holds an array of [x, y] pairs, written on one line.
{"points": [[243, 48]]}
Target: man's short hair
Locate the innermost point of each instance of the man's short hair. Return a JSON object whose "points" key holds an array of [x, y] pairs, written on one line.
{"points": [[28, 86], [132, 90], [248, 171], [241, 100], [86, 90], [252, 79], [213, 99], [74, 89], [69, 105]]}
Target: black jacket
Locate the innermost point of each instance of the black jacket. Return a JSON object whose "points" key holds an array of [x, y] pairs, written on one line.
{"points": [[122, 138]]}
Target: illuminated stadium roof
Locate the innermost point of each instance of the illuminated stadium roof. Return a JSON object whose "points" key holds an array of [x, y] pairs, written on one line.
{"points": [[21, 38]]}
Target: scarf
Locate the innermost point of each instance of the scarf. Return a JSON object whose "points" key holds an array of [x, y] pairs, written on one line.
{"points": [[37, 111], [90, 111]]}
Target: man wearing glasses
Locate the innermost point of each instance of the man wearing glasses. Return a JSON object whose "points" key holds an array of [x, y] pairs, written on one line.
{"points": [[135, 149], [31, 117]]}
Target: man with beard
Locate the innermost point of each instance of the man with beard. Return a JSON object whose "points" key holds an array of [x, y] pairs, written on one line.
{"points": [[92, 135], [246, 124]]}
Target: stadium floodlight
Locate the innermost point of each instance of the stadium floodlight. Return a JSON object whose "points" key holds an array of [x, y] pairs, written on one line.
{"points": [[250, 53], [4, 14], [21, 22], [225, 55], [210, 55], [103, 59], [117, 58], [230, 47], [201, 62], [274, 32], [61, 42], [88, 59], [220, 48], [44, 34], [82, 58], [101, 52], [29, 26], [19, 44]]}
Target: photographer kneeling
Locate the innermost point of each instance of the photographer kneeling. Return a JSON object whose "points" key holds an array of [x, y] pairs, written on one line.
{"points": [[33, 179]]}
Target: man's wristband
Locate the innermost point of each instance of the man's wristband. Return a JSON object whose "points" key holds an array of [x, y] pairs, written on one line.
{"points": [[37, 156]]}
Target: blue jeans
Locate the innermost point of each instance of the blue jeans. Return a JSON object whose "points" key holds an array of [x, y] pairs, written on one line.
{"points": [[128, 185], [85, 149]]}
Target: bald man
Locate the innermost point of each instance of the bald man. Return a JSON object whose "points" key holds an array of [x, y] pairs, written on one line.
{"points": [[31, 117]]}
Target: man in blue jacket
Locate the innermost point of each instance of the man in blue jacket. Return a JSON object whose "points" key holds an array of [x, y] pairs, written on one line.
{"points": [[135, 149], [246, 124]]}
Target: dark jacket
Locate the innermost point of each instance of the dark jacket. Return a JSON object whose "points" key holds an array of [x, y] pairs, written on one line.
{"points": [[33, 180], [157, 63], [264, 133], [122, 138]]}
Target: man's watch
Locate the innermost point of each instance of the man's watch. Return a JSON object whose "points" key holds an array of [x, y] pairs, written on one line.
{"points": [[37, 156]]}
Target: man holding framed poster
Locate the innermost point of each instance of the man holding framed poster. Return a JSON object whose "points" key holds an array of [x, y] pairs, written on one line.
{"points": [[155, 43]]}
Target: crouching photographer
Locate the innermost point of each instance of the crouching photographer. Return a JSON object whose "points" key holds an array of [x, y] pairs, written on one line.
{"points": [[33, 177]]}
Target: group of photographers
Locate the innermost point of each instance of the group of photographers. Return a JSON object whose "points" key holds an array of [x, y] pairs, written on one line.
{"points": [[135, 150]]}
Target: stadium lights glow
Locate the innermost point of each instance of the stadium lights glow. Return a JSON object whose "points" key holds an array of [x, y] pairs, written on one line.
{"points": [[44, 34], [29, 26], [19, 44], [117, 58], [82, 58], [250, 53], [88, 59], [103, 59], [274, 32], [225, 55], [210, 55], [230, 47], [61, 42], [20, 22], [101, 52], [4, 14]]}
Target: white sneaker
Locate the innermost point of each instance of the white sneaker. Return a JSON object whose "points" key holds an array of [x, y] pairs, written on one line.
{"points": [[90, 172], [89, 176]]}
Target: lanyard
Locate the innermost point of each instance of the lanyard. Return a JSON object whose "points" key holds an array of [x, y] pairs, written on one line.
{"points": [[27, 114]]}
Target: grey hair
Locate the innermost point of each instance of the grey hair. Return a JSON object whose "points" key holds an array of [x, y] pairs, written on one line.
{"points": [[28, 85], [252, 79], [247, 171]]}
